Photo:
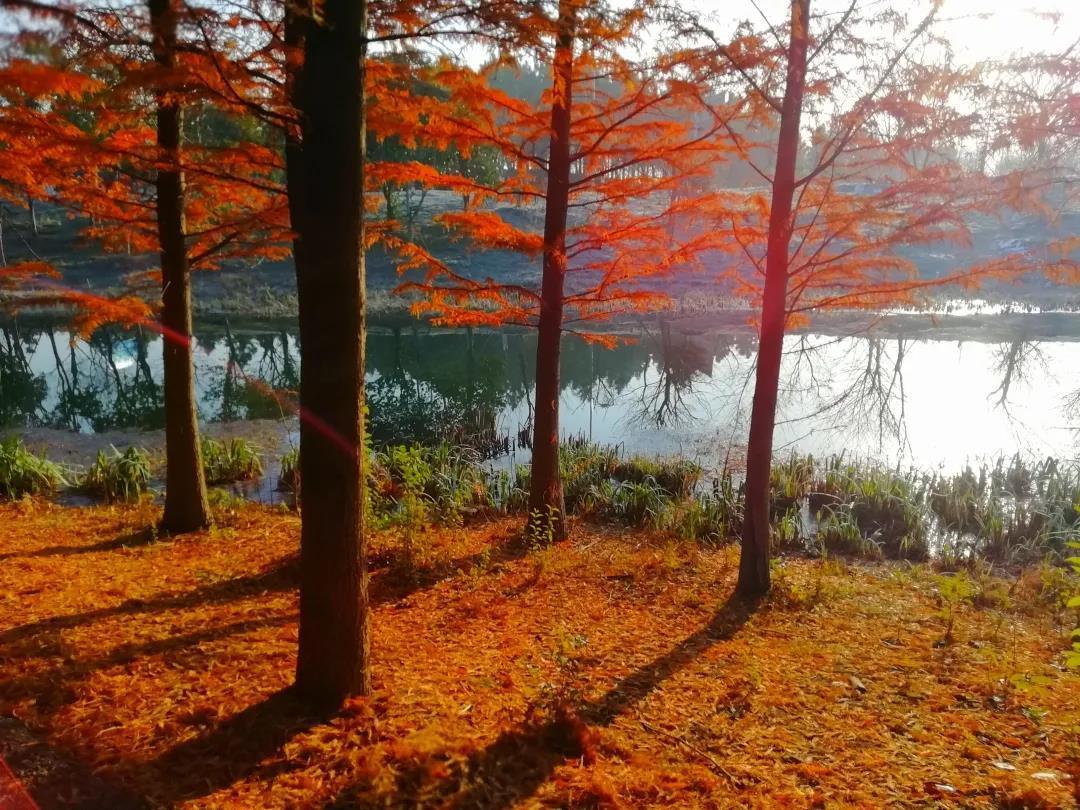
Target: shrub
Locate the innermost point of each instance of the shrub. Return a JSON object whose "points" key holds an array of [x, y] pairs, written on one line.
{"points": [[23, 473], [118, 476], [225, 462]]}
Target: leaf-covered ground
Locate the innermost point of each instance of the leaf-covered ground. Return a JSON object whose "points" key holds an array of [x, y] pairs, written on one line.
{"points": [[608, 671]]}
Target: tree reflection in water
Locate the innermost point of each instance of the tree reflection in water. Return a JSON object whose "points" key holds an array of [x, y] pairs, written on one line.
{"points": [[669, 389], [22, 391], [1014, 363], [681, 363], [863, 396]]}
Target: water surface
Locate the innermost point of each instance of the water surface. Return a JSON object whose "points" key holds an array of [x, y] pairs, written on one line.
{"points": [[921, 401]]}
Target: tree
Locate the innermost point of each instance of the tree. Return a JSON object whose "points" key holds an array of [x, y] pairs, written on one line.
{"points": [[882, 168], [617, 144], [754, 560], [326, 188], [75, 114], [186, 505], [547, 507]]}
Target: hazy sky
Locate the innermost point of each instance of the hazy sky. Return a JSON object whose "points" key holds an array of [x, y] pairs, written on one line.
{"points": [[978, 29]]}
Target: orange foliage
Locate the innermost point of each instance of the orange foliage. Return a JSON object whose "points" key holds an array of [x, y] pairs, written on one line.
{"points": [[642, 140], [77, 131]]}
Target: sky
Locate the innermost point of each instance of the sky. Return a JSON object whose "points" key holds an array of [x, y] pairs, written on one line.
{"points": [[977, 29]]}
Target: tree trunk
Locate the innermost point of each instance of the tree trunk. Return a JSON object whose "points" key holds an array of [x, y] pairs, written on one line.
{"points": [[186, 507], [754, 560], [326, 181], [33, 214], [547, 507]]}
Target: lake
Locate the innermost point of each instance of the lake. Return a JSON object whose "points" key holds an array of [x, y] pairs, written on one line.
{"points": [[930, 401]]}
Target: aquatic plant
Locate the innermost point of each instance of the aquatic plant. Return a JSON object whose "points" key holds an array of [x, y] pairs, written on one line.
{"points": [[24, 473], [712, 517], [448, 481], [676, 476], [789, 482], [839, 533], [225, 462], [118, 476], [888, 508], [289, 473], [1016, 513], [631, 503]]}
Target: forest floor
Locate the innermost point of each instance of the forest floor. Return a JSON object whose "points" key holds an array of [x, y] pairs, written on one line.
{"points": [[606, 671]]}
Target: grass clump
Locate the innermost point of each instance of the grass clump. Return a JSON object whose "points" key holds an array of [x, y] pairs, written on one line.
{"points": [[630, 503], [118, 476], [226, 462], [1010, 513], [839, 533], [711, 518], [598, 481], [860, 508], [289, 472], [889, 510], [24, 473], [789, 482], [444, 482]]}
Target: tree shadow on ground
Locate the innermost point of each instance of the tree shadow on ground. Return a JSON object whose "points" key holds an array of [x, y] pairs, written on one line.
{"points": [[514, 766], [393, 579], [53, 779], [233, 749], [239, 745], [55, 686], [281, 577], [142, 537]]}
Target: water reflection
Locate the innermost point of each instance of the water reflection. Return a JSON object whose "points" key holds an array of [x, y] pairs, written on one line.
{"points": [[22, 391], [1014, 362], [859, 385], [675, 382], [920, 401], [259, 377]]}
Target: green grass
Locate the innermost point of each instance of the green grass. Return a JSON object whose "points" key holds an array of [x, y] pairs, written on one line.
{"points": [[24, 473], [226, 462], [1011, 512], [118, 476], [1007, 513], [449, 483], [289, 474]]}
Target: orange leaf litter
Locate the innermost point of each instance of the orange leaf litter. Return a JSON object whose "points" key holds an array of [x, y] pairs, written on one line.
{"points": [[606, 671]]}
